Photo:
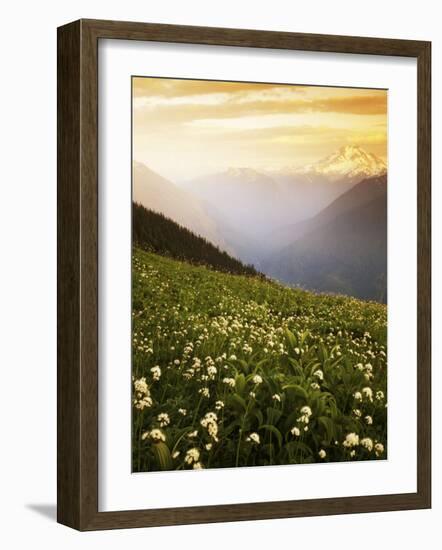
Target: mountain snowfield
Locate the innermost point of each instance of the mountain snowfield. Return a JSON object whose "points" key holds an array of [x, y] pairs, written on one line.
{"points": [[350, 161], [268, 218]]}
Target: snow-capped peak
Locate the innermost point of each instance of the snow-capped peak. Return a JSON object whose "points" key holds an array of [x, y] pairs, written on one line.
{"points": [[350, 161], [243, 173]]}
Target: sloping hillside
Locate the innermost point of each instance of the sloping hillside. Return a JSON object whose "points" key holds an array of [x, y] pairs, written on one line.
{"points": [[157, 233], [239, 371]]}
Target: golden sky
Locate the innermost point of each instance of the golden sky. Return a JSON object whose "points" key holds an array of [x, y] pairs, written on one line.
{"points": [[186, 128]]}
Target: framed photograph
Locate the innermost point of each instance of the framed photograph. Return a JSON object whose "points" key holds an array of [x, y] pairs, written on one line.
{"points": [[243, 274]]}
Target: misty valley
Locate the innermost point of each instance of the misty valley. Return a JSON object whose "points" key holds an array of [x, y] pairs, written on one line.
{"points": [[320, 227]]}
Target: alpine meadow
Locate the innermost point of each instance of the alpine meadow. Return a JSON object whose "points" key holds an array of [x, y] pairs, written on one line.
{"points": [[259, 274]]}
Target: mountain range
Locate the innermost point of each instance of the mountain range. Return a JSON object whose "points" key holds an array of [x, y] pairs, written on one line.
{"points": [[322, 226], [343, 249]]}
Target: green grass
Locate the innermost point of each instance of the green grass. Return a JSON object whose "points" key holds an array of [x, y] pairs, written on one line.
{"points": [[250, 372]]}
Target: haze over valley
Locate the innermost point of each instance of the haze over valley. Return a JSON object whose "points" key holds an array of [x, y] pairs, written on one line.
{"points": [[321, 226]]}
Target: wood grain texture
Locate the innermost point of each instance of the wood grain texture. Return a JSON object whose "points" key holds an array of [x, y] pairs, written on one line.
{"points": [[77, 225]]}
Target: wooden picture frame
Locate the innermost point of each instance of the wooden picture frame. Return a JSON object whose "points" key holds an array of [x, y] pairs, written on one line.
{"points": [[78, 273]]}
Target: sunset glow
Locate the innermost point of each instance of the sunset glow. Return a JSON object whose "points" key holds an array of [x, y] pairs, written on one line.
{"points": [[185, 128]]}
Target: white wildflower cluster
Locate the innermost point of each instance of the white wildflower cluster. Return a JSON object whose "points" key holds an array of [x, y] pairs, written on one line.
{"points": [[192, 456], [211, 372], [319, 374], [306, 413], [247, 348], [257, 379], [204, 392], [351, 440], [156, 373], [253, 438], [295, 431], [367, 393], [155, 435], [142, 398], [163, 419], [380, 395], [229, 382], [210, 422], [322, 454], [219, 405], [367, 443], [379, 449]]}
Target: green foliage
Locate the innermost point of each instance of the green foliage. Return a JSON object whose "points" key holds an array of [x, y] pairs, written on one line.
{"points": [[155, 233], [250, 372]]}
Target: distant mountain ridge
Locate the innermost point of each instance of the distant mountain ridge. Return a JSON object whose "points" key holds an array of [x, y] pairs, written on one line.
{"points": [[258, 202], [363, 192], [343, 249], [161, 195]]}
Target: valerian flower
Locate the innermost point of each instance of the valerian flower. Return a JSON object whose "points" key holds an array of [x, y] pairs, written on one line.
{"points": [[351, 440], [254, 438], [192, 456]]}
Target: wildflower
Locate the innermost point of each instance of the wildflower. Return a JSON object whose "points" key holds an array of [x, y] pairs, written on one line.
{"points": [[295, 431], [319, 374], [254, 438], [322, 453], [163, 419], [252, 394], [358, 396], [379, 395], [211, 371], [368, 393], [182, 411], [176, 454], [198, 466], [219, 405], [357, 413], [156, 372], [229, 381], [141, 386], [351, 440], [156, 435], [306, 410], [367, 443], [378, 449], [257, 379], [143, 399], [144, 402], [352, 453], [176, 362], [369, 420], [297, 351], [315, 386], [204, 392], [193, 434], [208, 446], [210, 422], [192, 456], [276, 397]]}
